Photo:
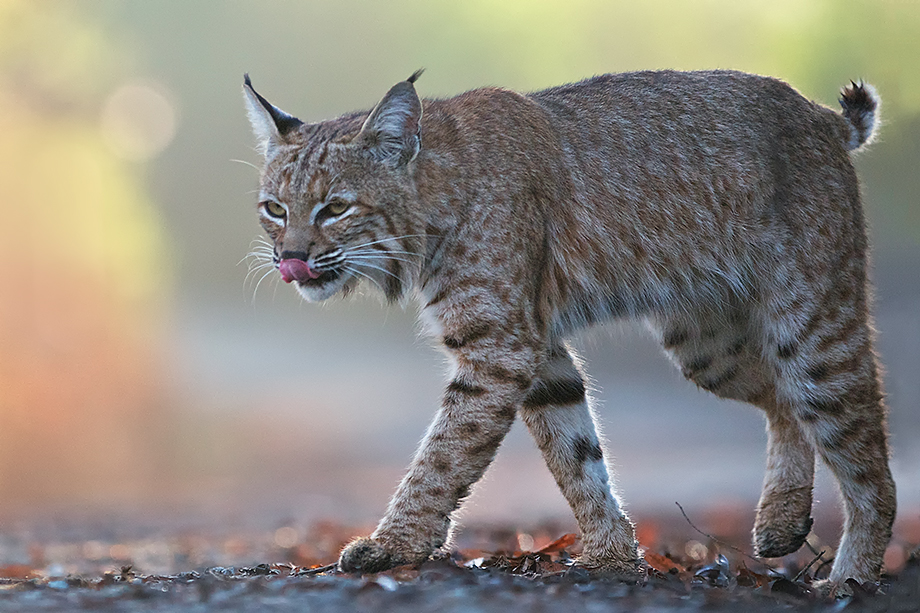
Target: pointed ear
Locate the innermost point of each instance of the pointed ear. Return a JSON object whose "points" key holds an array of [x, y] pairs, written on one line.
{"points": [[269, 123], [392, 132]]}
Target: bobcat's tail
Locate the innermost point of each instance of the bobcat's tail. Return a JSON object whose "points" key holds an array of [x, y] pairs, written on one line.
{"points": [[860, 104]]}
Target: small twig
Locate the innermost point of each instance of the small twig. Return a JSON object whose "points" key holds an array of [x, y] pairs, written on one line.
{"points": [[318, 570], [809, 565], [812, 548], [722, 543]]}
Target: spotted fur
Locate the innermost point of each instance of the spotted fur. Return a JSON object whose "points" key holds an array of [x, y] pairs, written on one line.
{"points": [[720, 207]]}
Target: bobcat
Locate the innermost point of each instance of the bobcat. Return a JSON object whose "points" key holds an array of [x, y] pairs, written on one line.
{"points": [[720, 207]]}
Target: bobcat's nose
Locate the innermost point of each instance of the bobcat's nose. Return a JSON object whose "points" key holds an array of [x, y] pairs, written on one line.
{"points": [[295, 269]]}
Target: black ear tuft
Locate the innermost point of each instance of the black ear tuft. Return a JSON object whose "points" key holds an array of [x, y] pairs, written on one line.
{"points": [[415, 75]]}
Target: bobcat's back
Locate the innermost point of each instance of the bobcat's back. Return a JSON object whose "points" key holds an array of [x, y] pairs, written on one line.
{"points": [[644, 191]]}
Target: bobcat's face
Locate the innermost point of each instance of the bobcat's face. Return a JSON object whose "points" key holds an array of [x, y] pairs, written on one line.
{"points": [[336, 215], [337, 198]]}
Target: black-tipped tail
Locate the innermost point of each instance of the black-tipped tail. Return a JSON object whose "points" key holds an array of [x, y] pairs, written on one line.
{"points": [[860, 104]]}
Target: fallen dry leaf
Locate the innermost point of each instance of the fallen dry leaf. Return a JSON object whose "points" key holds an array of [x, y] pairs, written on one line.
{"points": [[560, 544], [663, 564], [18, 571]]}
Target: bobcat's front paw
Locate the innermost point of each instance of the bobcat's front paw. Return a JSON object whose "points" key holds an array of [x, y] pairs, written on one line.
{"points": [[366, 555]]}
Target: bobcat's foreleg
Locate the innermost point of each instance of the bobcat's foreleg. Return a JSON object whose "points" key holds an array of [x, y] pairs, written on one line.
{"points": [[477, 412], [557, 414]]}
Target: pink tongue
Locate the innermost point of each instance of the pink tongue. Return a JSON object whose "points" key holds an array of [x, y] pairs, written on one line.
{"points": [[296, 270]]}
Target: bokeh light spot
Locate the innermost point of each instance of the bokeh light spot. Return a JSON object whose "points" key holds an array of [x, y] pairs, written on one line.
{"points": [[286, 537], [139, 120]]}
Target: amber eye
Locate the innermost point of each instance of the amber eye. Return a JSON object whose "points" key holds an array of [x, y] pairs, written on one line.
{"points": [[337, 207], [274, 209]]}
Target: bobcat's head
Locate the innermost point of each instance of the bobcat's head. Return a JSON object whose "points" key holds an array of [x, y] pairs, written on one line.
{"points": [[338, 197]]}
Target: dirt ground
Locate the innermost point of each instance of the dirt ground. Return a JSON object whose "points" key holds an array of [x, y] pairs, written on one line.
{"points": [[491, 569]]}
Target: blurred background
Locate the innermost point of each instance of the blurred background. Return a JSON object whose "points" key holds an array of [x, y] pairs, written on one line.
{"points": [[142, 371]]}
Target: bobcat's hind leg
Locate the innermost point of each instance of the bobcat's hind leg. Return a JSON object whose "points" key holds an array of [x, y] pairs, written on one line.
{"points": [[846, 421], [784, 511], [828, 377], [557, 414], [721, 351]]}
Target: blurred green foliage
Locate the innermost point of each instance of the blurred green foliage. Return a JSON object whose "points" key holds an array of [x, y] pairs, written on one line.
{"points": [[71, 206], [321, 58]]}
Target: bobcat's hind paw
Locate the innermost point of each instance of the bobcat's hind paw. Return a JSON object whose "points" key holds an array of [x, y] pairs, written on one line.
{"points": [[829, 589], [365, 555], [780, 539], [783, 522]]}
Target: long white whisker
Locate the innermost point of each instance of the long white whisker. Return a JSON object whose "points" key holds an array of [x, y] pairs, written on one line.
{"points": [[257, 255], [256, 260], [259, 263], [380, 252], [383, 270], [370, 258], [256, 290], [362, 274], [260, 245], [250, 164], [256, 270], [383, 240]]}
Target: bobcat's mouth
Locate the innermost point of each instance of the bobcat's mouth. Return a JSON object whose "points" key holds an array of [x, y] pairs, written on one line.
{"points": [[323, 285], [324, 277], [300, 271]]}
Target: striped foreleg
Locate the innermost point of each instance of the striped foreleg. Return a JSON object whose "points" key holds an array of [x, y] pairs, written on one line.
{"points": [[476, 414], [558, 416]]}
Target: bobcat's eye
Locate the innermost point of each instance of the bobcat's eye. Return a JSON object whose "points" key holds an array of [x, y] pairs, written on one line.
{"points": [[337, 207], [274, 209]]}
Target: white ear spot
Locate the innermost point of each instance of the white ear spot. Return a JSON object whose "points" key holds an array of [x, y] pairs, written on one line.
{"points": [[262, 126], [392, 131], [269, 123]]}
